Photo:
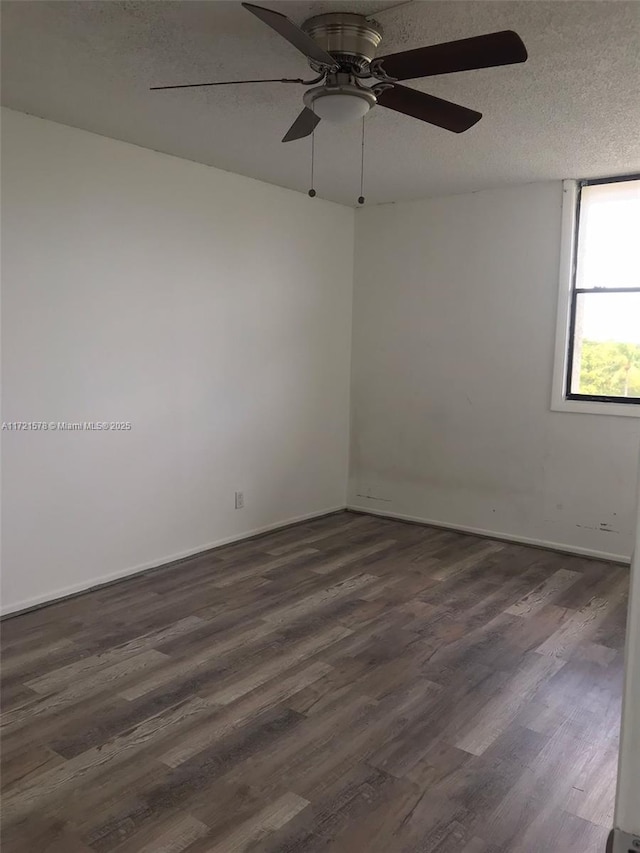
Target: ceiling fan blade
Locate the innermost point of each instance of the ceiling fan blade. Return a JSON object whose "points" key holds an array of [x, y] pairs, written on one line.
{"points": [[293, 34], [230, 83], [429, 108], [304, 125], [503, 48]]}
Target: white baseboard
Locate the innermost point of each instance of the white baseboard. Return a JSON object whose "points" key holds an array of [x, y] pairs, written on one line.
{"points": [[495, 534], [103, 580]]}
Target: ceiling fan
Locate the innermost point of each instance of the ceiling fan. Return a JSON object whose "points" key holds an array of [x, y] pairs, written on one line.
{"points": [[341, 48]]}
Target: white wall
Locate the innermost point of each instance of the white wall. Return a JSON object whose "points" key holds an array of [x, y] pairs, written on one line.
{"points": [[454, 326], [627, 815], [211, 311], [214, 313]]}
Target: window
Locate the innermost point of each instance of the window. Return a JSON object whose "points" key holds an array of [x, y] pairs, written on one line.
{"points": [[598, 346]]}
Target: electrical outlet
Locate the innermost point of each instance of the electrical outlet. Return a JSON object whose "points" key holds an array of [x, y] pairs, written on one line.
{"points": [[239, 500]]}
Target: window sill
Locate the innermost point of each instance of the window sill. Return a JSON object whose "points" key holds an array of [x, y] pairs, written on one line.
{"points": [[595, 407]]}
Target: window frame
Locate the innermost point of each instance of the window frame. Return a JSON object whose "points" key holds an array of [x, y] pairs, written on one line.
{"points": [[562, 400]]}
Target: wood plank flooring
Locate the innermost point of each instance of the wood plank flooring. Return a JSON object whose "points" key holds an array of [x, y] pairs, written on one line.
{"points": [[352, 684]]}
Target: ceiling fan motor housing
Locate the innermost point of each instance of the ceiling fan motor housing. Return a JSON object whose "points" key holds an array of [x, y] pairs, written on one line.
{"points": [[351, 39]]}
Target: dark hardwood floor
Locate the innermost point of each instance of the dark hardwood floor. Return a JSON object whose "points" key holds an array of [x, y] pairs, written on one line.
{"points": [[352, 684]]}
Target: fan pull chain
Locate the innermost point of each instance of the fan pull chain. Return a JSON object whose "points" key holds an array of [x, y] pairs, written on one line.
{"points": [[361, 196], [312, 192]]}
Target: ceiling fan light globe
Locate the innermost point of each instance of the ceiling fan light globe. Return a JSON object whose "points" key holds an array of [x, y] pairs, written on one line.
{"points": [[340, 108], [339, 104]]}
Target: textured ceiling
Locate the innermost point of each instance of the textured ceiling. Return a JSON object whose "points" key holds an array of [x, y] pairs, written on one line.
{"points": [[572, 110]]}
